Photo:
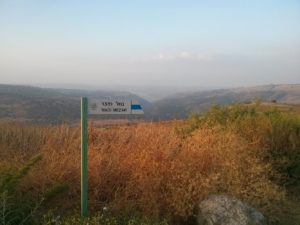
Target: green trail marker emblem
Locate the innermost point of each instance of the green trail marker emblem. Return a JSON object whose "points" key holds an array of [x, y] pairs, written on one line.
{"points": [[95, 106]]}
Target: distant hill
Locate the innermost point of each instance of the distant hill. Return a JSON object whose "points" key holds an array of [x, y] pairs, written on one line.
{"points": [[181, 105], [46, 105]]}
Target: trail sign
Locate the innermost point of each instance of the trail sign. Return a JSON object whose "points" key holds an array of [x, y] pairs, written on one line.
{"points": [[114, 106], [96, 106]]}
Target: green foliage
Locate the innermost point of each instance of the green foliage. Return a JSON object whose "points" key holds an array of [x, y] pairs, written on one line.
{"points": [[17, 207], [276, 134], [55, 191], [10, 183], [99, 219]]}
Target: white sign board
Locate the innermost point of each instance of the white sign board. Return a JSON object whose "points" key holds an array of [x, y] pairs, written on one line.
{"points": [[114, 106]]}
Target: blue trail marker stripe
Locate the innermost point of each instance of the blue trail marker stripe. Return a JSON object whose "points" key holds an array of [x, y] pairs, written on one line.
{"points": [[135, 107]]}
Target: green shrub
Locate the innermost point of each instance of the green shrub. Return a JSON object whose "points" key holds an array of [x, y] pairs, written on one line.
{"points": [[14, 207], [99, 219], [17, 207], [273, 133]]}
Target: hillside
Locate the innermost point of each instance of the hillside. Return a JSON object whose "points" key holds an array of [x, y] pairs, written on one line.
{"points": [[46, 105], [181, 105], [150, 172]]}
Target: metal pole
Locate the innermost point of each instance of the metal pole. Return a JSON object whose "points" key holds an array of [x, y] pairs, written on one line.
{"points": [[84, 158]]}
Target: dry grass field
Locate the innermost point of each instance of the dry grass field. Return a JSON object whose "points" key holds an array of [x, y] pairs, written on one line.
{"points": [[161, 170]]}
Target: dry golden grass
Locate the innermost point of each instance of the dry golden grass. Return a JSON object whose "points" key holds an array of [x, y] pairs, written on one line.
{"points": [[146, 167]]}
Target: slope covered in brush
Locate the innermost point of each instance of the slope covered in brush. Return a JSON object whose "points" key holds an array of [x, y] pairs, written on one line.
{"points": [[162, 170]]}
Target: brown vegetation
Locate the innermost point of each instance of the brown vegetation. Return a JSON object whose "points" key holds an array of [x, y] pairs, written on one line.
{"points": [[158, 169]]}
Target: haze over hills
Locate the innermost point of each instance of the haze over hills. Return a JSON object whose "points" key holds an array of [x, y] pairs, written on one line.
{"points": [[46, 105], [180, 106], [49, 105], [151, 93]]}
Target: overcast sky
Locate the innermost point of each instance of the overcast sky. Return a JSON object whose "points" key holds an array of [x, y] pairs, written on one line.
{"points": [[157, 42]]}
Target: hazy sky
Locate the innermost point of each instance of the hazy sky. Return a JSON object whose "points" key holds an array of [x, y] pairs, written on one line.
{"points": [[157, 42]]}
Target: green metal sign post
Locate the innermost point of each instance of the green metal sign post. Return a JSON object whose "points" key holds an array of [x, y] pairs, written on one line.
{"points": [[104, 106], [84, 157]]}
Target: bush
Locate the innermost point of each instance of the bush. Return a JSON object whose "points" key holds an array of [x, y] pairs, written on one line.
{"points": [[98, 219], [162, 170], [273, 133], [17, 207]]}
